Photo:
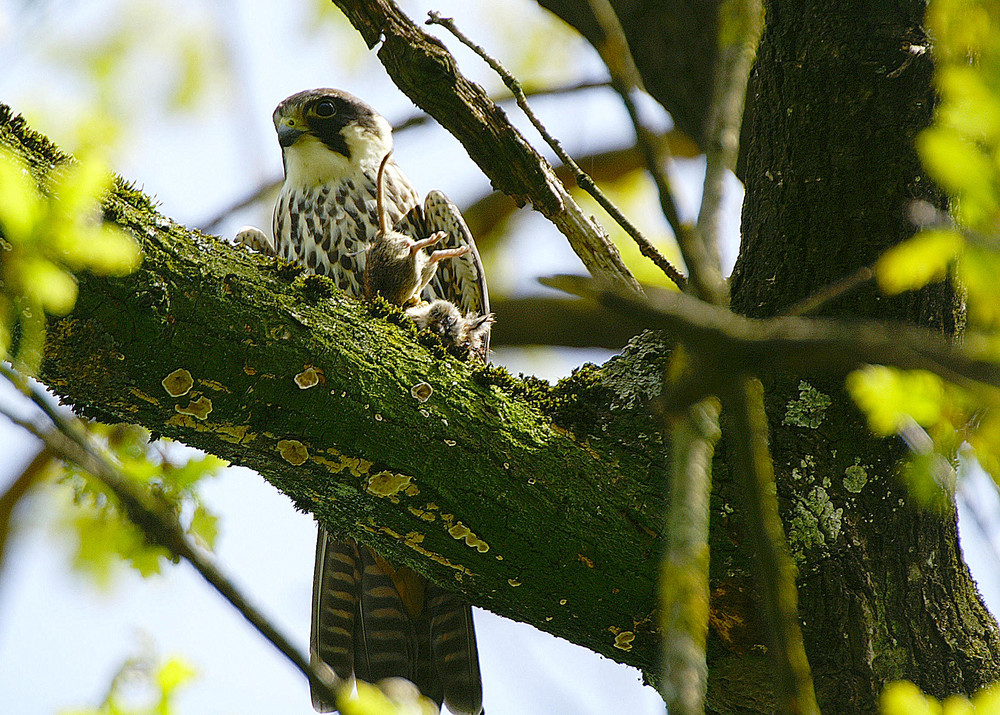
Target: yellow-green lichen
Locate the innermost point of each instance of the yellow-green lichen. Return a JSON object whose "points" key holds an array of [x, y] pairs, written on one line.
{"points": [[623, 641], [355, 465], [293, 451], [855, 477], [413, 540], [214, 385], [235, 434], [199, 408], [421, 392], [815, 523], [461, 531], [178, 383], [135, 391], [309, 377], [388, 484], [420, 513]]}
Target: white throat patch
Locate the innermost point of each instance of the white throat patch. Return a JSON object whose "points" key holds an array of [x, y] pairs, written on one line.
{"points": [[309, 162]]}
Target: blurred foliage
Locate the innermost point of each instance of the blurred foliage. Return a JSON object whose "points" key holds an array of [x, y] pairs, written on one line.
{"points": [[904, 698], [961, 152], [178, 46], [103, 536], [143, 685], [395, 696], [46, 236], [538, 48]]}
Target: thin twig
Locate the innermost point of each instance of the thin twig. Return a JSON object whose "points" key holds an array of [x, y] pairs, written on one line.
{"points": [[71, 442], [684, 589], [827, 294], [743, 22], [416, 119], [582, 178], [625, 77], [723, 140]]}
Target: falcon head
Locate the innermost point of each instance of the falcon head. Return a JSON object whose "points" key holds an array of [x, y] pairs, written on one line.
{"points": [[326, 134]]}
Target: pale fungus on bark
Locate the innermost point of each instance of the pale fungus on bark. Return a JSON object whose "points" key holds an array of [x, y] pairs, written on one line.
{"points": [[460, 531], [421, 392], [388, 484], [623, 641], [309, 377], [178, 383], [199, 408], [293, 451]]}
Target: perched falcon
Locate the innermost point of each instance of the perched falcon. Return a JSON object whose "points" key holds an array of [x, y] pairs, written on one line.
{"points": [[369, 617]]}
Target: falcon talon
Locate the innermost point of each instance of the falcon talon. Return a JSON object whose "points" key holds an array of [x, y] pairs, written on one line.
{"points": [[256, 240]]}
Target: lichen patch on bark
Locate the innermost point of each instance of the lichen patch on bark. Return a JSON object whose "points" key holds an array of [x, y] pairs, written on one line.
{"points": [[178, 383]]}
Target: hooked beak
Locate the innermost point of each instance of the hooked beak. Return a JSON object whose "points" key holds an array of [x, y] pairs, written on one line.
{"points": [[287, 133]]}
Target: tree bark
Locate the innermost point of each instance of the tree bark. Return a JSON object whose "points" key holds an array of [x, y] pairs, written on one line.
{"points": [[830, 171]]}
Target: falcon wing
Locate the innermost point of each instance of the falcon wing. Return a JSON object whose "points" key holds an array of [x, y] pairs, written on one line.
{"points": [[459, 280]]}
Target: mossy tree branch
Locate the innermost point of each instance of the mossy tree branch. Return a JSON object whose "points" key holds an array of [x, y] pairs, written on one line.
{"points": [[539, 504]]}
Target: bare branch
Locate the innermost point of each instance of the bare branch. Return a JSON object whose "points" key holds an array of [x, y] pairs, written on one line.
{"points": [[743, 21], [582, 178], [728, 343], [625, 77], [775, 573], [684, 594]]}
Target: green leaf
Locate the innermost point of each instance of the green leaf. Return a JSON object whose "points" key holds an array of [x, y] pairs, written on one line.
{"points": [[889, 396], [978, 271], [77, 189], [173, 674], [107, 250], [204, 526], [922, 259], [20, 205], [905, 698], [48, 285], [962, 169], [987, 700], [970, 106]]}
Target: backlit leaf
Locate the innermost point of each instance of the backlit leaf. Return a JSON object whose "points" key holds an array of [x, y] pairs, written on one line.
{"points": [[918, 261]]}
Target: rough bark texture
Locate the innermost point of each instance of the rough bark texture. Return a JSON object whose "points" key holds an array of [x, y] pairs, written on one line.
{"points": [[884, 593]]}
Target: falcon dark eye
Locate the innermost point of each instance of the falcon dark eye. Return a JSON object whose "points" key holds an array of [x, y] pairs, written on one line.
{"points": [[325, 109]]}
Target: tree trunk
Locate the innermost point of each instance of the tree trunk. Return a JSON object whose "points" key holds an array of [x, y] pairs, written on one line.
{"points": [[835, 103]]}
